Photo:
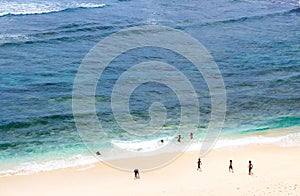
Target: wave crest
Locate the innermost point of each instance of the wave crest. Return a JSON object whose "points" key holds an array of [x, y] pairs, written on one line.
{"points": [[15, 8], [27, 168]]}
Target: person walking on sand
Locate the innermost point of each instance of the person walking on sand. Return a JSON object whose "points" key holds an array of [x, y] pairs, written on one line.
{"points": [[199, 164], [230, 166], [250, 168], [136, 174]]}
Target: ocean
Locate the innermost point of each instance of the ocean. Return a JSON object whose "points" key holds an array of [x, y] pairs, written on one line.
{"points": [[255, 43]]}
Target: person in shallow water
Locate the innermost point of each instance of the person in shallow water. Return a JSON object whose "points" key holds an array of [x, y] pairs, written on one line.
{"points": [[136, 174], [191, 136], [230, 166], [179, 138]]}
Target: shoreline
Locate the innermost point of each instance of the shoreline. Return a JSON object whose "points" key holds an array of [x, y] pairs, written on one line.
{"points": [[282, 137], [276, 171]]}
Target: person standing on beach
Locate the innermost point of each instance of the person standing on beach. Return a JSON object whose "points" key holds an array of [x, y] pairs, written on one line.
{"points": [[230, 166], [250, 168], [199, 164], [136, 174]]}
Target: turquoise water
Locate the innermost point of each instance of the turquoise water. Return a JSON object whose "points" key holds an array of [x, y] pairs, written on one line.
{"points": [[256, 45]]}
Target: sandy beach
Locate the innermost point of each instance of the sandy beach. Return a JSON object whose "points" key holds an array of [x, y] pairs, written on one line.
{"points": [[276, 172], [126, 78]]}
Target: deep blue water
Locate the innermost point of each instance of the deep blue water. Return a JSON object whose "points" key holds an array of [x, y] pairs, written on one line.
{"points": [[256, 44]]}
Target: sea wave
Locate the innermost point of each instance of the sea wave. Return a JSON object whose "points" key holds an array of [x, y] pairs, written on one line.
{"points": [[291, 2], [292, 139], [85, 162], [35, 167], [7, 38], [63, 33], [289, 140], [16, 8], [142, 146], [253, 17]]}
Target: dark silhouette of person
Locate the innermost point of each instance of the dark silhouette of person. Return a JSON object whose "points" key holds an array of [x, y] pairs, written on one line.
{"points": [[230, 166], [191, 136], [199, 164], [250, 168], [179, 138], [136, 174]]}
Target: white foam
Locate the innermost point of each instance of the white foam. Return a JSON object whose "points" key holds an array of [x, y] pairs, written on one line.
{"points": [[16, 8], [86, 162], [7, 38], [292, 139], [142, 146], [34, 167]]}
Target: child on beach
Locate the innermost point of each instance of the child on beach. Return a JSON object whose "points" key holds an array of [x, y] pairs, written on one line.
{"points": [[250, 168], [199, 164], [191, 136], [230, 166]]}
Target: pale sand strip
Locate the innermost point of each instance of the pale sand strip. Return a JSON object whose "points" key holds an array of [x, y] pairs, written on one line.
{"points": [[276, 172]]}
